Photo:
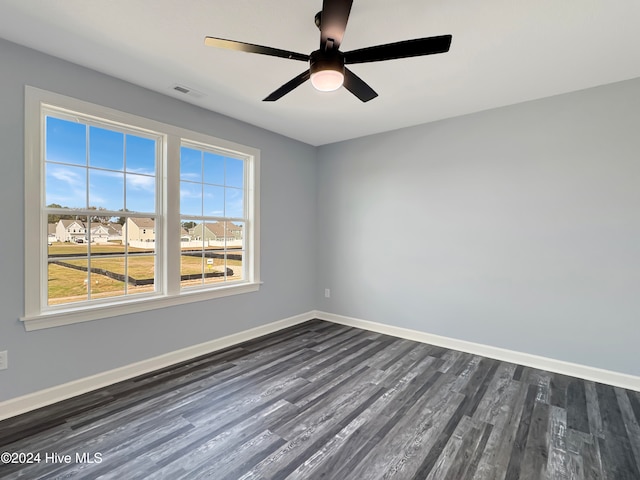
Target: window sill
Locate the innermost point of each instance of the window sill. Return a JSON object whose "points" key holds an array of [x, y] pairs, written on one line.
{"points": [[69, 316]]}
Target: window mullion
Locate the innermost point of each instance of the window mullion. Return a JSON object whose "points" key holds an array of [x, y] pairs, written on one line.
{"points": [[171, 211]]}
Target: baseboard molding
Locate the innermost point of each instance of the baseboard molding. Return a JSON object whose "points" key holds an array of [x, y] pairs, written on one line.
{"points": [[543, 363], [33, 401]]}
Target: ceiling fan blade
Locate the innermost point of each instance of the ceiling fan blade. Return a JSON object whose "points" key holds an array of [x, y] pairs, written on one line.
{"points": [[251, 48], [287, 87], [407, 48], [358, 87], [333, 22]]}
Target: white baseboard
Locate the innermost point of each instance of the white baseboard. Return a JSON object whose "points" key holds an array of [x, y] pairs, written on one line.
{"points": [[32, 401], [543, 363]]}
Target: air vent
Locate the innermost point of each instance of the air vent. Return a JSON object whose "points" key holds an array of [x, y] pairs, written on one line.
{"points": [[187, 91]]}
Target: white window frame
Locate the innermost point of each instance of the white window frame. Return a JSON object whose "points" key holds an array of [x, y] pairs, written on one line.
{"points": [[37, 314], [205, 218]]}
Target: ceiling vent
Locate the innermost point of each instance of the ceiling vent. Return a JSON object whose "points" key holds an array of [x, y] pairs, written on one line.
{"points": [[183, 89]]}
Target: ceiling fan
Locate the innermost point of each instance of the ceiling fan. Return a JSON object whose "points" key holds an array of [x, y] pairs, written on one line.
{"points": [[327, 69]]}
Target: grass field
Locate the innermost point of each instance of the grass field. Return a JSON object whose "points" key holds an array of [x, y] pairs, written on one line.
{"points": [[68, 285], [75, 249]]}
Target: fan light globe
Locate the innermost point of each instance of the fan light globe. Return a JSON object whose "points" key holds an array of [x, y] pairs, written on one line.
{"points": [[327, 80]]}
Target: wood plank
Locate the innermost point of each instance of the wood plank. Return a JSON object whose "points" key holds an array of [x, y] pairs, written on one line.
{"points": [[634, 401], [478, 452], [630, 422], [593, 409], [577, 417], [615, 448], [583, 450], [517, 451], [489, 406], [450, 458], [534, 461]]}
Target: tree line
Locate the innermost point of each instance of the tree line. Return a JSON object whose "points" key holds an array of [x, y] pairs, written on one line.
{"points": [[56, 217]]}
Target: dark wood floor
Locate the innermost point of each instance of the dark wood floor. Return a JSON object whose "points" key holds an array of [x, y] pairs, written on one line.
{"points": [[321, 400]]}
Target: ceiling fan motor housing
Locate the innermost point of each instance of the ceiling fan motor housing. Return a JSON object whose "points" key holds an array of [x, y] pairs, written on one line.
{"points": [[331, 60]]}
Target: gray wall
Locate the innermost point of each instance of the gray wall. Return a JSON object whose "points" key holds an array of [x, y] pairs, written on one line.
{"points": [[45, 358], [517, 227]]}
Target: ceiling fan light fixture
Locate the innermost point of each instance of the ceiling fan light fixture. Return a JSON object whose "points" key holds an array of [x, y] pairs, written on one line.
{"points": [[327, 80], [327, 70]]}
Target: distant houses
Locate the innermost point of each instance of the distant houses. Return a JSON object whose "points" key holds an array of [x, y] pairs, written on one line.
{"points": [[71, 231], [51, 233], [106, 232], [75, 231], [140, 231], [216, 231]]}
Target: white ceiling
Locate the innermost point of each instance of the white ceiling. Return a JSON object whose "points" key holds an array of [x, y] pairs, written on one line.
{"points": [[503, 52]]}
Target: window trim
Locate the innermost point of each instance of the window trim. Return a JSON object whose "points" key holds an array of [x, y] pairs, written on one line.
{"points": [[168, 292]]}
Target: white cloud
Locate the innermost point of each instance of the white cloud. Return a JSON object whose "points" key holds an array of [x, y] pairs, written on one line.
{"points": [[190, 176], [185, 193], [71, 177], [140, 182]]}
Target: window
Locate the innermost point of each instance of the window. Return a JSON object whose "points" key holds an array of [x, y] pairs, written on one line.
{"points": [[98, 174], [212, 201], [145, 214]]}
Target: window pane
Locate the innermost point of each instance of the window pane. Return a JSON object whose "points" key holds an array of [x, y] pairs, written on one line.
{"points": [[213, 169], [190, 198], [219, 193], [192, 254], [214, 234], [141, 234], [141, 193], [190, 164], [141, 155], [235, 265], [68, 276], [234, 173], [216, 271], [186, 230], [107, 275], [66, 142], [52, 224], [233, 202], [67, 281], [141, 272], [235, 250], [191, 268], [234, 235], [106, 149], [106, 189], [213, 201], [106, 232], [66, 186]]}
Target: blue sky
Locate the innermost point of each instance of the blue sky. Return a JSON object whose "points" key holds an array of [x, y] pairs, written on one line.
{"points": [[120, 171]]}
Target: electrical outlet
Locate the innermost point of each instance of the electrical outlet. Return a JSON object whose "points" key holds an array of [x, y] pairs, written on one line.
{"points": [[4, 360], [327, 293]]}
